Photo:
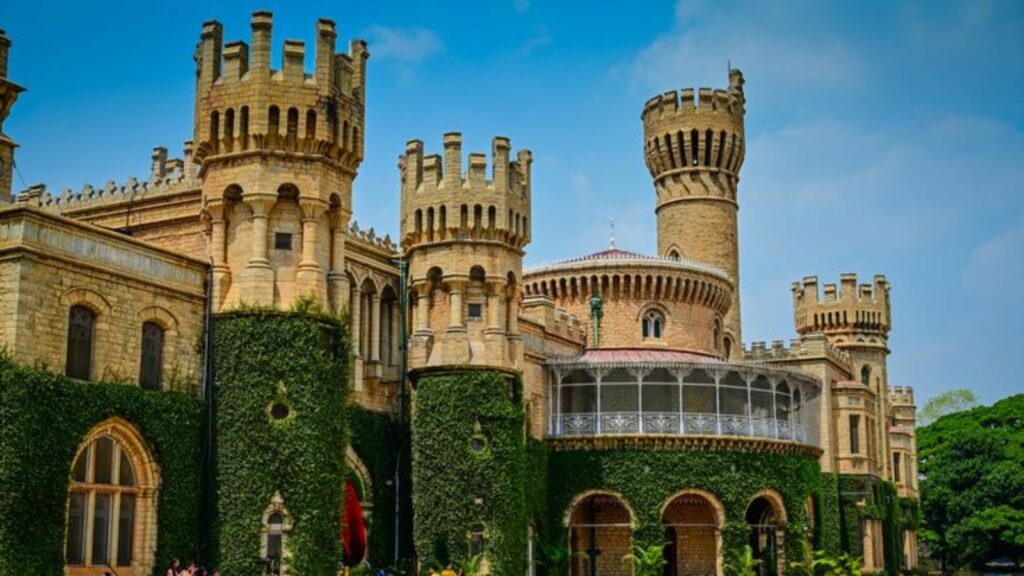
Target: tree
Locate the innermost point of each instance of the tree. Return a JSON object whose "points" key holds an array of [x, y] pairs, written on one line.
{"points": [[946, 403], [972, 484]]}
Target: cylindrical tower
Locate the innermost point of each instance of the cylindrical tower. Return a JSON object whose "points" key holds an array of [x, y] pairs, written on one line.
{"points": [[694, 150], [278, 151], [463, 236]]}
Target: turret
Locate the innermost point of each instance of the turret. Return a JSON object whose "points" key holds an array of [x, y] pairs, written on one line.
{"points": [[8, 94], [855, 318], [693, 147], [463, 234], [278, 151]]}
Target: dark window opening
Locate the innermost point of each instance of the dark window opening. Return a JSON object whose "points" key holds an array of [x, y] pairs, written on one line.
{"points": [[854, 434], [476, 311], [80, 336], [152, 356], [282, 241]]}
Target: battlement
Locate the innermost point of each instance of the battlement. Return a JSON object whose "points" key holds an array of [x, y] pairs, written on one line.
{"points": [[369, 237], [811, 346], [695, 131], [848, 308], [440, 202], [901, 395], [221, 64], [541, 310], [167, 175], [243, 105]]}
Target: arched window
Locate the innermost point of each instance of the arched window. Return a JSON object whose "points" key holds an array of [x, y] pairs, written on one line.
{"points": [[109, 490], [673, 255], [727, 343], [151, 366], [277, 525], [311, 124], [80, 334], [865, 375], [273, 121], [652, 325], [716, 333]]}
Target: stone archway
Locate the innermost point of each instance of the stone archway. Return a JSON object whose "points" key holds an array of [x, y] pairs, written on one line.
{"points": [[766, 516], [692, 520], [599, 534]]}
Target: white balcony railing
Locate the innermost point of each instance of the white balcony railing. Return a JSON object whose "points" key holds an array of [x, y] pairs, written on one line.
{"points": [[682, 423]]}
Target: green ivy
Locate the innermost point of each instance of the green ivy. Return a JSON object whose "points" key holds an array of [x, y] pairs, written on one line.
{"points": [[469, 460], [43, 419], [829, 522], [648, 478], [868, 497], [263, 356], [376, 439]]}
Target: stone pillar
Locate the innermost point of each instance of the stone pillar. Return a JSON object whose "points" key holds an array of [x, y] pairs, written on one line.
{"points": [[337, 280], [456, 289], [356, 319], [259, 284], [423, 309], [396, 327], [494, 335], [309, 275], [218, 252], [375, 327]]}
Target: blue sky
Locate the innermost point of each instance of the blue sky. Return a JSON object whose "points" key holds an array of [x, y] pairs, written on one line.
{"points": [[883, 137]]}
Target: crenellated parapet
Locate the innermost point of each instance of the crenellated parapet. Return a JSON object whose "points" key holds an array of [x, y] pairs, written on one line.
{"points": [[244, 106], [694, 141], [901, 396], [167, 176], [848, 310], [442, 203], [463, 235], [807, 347]]}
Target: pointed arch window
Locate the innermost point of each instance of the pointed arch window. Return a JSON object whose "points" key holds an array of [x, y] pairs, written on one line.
{"points": [[151, 366], [81, 323], [652, 325], [102, 506], [865, 375]]}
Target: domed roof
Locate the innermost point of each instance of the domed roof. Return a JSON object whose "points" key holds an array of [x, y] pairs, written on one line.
{"points": [[613, 255]]}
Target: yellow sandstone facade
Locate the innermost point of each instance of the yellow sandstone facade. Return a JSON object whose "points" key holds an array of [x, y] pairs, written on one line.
{"points": [[257, 211]]}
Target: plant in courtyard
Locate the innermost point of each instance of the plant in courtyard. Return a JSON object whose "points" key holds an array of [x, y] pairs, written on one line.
{"points": [[472, 565], [646, 560], [556, 559], [743, 563], [821, 563]]}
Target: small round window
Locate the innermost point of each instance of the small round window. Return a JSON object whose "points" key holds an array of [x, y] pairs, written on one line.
{"points": [[280, 411]]}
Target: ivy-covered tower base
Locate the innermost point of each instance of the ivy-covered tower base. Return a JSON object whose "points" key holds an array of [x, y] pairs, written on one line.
{"points": [[469, 469], [280, 436]]}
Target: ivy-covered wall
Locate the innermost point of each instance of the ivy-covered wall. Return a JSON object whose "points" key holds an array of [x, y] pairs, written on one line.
{"points": [[647, 479], [43, 419], [263, 358], [377, 440], [469, 461], [880, 502]]}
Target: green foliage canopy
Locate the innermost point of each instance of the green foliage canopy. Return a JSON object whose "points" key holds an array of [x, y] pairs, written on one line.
{"points": [[946, 403], [972, 487]]}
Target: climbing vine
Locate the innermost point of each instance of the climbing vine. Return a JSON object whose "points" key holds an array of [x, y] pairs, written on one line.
{"points": [[298, 363], [469, 462], [43, 419]]}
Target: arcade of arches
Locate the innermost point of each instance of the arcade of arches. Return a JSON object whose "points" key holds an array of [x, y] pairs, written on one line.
{"points": [[601, 525]]}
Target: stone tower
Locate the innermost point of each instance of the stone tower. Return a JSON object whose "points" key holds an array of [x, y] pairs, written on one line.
{"points": [[8, 94], [278, 151], [463, 236], [694, 149], [857, 319]]}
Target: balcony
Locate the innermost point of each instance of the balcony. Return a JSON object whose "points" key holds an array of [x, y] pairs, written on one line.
{"points": [[683, 399]]}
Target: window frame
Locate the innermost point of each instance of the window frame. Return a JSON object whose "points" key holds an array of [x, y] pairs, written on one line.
{"points": [[75, 345], [145, 370]]}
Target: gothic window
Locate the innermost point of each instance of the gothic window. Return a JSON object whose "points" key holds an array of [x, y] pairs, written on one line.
{"points": [[275, 535], [102, 506], [277, 525], [80, 345], [854, 434], [865, 375], [151, 369], [652, 325], [896, 469], [673, 255]]}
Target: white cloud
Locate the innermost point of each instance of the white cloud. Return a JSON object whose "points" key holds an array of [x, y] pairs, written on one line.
{"points": [[406, 48], [771, 53]]}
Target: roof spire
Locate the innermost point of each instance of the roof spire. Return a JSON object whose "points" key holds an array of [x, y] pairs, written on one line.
{"points": [[611, 224]]}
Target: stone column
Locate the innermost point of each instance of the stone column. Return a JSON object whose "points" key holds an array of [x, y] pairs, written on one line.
{"points": [[423, 308], [337, 280], [513, 311], [259, 285], [356, 319], [375, 327], [456, 289], [309, 274], [396, 327], [218, 252]]}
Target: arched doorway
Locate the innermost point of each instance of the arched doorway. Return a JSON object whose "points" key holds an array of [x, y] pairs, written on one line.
{"points": [[357, 511], [599, 534], [766, 516], [693, 542]]}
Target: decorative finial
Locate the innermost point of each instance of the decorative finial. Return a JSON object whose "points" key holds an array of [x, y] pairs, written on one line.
{"points": [[611, 224]]}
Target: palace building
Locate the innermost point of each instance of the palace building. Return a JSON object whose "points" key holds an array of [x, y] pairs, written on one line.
{"points": [[591, 404]]}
